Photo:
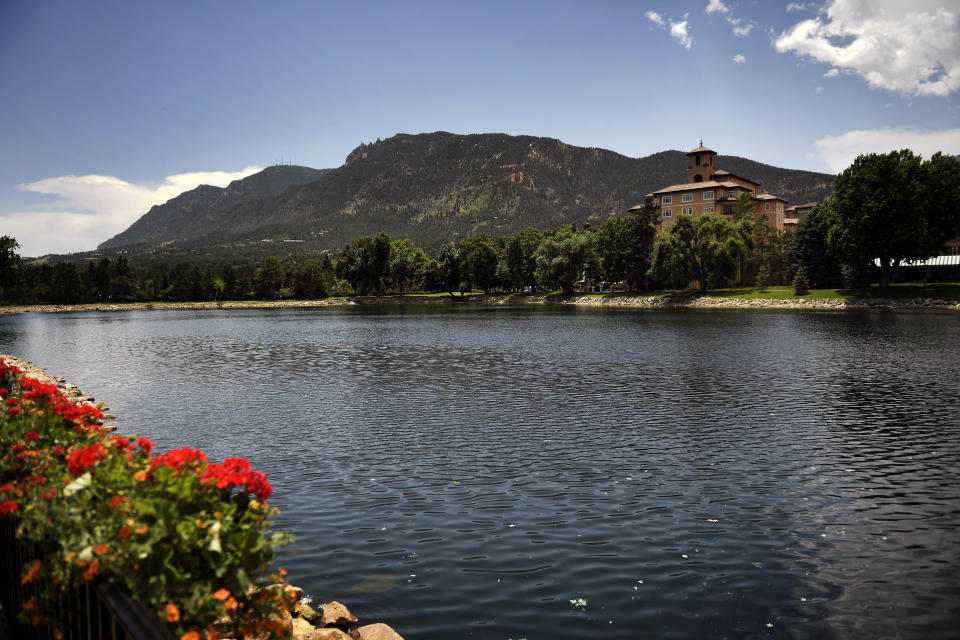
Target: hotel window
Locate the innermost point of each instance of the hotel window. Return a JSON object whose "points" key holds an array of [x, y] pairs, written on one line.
{"points": [[668, 213], [666, 200], [708, 208], [766, 206], [779, 206], [728, 211], [687, 197], [708, 195], [731, 194]]}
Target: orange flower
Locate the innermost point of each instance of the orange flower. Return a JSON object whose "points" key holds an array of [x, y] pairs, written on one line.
{"points": [[100, 549], [141, 530], [173, 614], [91, 570], [231, 604], [190, 635], [212, 635], [221, 594], [32, 573], [141, 475]]}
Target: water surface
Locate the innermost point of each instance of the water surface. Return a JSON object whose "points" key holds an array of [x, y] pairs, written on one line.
{"points": [[466, 472]]}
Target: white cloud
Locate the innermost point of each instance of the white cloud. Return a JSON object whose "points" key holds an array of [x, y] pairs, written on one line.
{"points": [[94, 208], [739, 59], [679, 32], [739, 30], [833, 73], [716, 6], [839, 152], [819, 90], [796, 6], [906, 47]]}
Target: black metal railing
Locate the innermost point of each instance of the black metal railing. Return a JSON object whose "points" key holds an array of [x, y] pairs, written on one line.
{"points": [[97, 610]]}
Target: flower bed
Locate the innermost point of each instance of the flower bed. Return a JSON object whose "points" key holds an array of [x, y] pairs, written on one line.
{"points": [[186, 537]]}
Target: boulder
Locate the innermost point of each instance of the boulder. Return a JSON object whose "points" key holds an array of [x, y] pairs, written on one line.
{"points": [[337, 615], [327, 634], [378, 631], [309, 614], [302, 628]]}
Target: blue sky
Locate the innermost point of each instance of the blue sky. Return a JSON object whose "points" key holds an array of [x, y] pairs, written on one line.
{"points": [[107, 108]]}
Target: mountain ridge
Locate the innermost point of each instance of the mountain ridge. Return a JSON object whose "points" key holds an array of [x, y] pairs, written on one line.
{"points": [[435, 187]]}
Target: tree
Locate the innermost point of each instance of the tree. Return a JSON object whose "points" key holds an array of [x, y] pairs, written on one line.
{"points": [[365, 263], [704, 249], [565, 257], [624, 245], [269, 279], [447, 265], [520, 260], [308, 280], [478, 261], [940, 177], [800, 285], [763, 278], [809, 251], [879, 210], [407, 262], [9, 267]]}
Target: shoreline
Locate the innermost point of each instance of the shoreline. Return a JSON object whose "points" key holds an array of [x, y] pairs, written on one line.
{"points": [[639, 302]]}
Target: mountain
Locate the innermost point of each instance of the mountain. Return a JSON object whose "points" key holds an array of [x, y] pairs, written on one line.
{"points": [[433, 188], [203, 210]]}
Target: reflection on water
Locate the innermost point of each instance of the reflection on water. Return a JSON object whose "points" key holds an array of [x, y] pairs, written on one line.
{"points": [[468, 472]]}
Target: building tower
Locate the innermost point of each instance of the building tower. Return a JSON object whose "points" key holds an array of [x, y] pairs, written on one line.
{"points": [[701, 165]]}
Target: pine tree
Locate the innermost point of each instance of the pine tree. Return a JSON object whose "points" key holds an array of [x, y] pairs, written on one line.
{"points": [[800, 285]]}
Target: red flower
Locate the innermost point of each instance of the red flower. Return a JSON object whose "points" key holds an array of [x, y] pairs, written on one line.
{"points": [[117, 500], [32, 435], [145, 444], [236, 472], [177, 459], [8, 507], [10, 402], [83, 458], [13, 411], [4, 391]]}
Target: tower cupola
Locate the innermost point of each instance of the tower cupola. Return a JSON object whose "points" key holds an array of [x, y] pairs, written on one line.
{"points": [[701, 165]]}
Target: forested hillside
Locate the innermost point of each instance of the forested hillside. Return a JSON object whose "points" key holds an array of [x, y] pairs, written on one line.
{"points": [[431, 188]]}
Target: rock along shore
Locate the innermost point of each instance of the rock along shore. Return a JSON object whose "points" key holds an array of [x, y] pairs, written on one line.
{"points": [[642, 302]]}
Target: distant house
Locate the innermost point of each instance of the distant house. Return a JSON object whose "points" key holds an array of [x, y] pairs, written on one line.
{"points": [[796, 214], [712, 190]]}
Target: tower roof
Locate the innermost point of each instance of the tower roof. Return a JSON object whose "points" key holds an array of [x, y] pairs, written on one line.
{"points": [[701, 149]]}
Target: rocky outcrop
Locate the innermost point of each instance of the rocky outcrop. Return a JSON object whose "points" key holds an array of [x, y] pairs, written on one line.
{"points": [[378, 631], [337, 615]]}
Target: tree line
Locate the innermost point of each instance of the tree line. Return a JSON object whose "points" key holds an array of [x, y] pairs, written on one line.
{"points": [[887, 207]]}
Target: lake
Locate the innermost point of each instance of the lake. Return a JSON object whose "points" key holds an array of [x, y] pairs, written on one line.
{"points": [[466, 472]]}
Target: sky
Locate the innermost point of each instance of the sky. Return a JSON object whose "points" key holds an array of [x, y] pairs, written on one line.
{"points": [[110, 107]]}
